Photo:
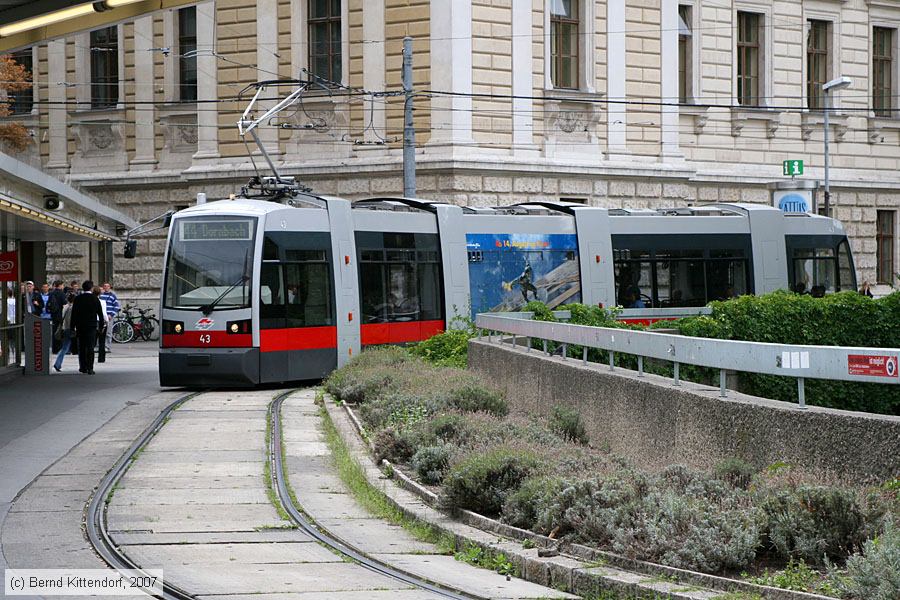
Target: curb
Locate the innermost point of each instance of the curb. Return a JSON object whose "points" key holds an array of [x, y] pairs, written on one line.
{"points": [[580, 570]]}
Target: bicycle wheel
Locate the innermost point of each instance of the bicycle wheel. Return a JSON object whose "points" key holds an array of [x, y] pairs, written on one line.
{"points": [[149, 329], [122, 332]]}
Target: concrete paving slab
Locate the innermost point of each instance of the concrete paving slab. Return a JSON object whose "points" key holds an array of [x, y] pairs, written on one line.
{"points": [[78, 465], [30, 526], [308, 449], [195, 482], [213, 441], [213, 579], [155, 556], [44, 500], [63, 483], [224, 537], [375, 536], [185, 425], [331, 506], [168, 496], [470, 579], [207, 456], [188, 469], [406, 594], [200, 517]]}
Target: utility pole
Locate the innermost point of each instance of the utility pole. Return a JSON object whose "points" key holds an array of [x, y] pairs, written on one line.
{"points": [[409, 133]]}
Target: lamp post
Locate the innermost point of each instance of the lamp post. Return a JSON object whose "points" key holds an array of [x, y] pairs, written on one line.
{"points": [[838, 83]]}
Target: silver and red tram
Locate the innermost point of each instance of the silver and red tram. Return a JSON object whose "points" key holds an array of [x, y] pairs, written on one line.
{"points": [[259, 292]]}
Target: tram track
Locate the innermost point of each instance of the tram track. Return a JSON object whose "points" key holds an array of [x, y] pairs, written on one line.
{"points": [[322, 535], [105, 546]]}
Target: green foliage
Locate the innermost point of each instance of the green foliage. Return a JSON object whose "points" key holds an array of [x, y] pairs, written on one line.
{"points": [[813, 523], [797, 576], [568, 424], [450, 348], [477, 556], [735, 472], [389, 444], [482, 482], [520, 509], [430, 463], [874, 573]]}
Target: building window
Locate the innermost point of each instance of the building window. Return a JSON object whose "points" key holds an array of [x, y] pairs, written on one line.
{"points": [[22, 101], [564, 43], [187, 44], [105, 67], [884, 247], [748, 59], [816, 63], [882, 64], [325, 39], [685, 56]]}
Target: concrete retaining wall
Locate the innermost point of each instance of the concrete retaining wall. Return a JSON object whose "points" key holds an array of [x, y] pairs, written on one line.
{"points": [[655, 424]]}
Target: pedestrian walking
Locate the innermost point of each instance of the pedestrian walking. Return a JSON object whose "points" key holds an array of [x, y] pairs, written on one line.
{"points": [[102, 326], [55, 304], [87, 314], [66, 329], [10, 307], [112, 309], [31, 299]]}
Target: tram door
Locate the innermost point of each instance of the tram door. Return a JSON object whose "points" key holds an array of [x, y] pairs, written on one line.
{"points": [[298, 335], [401, 294]]}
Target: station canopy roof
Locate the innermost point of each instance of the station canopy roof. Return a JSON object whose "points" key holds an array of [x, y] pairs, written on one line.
{"points": [[23, 215]]}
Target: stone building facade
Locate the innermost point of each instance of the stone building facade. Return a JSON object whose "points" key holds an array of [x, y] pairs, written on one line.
{"points": [[613, 103]]}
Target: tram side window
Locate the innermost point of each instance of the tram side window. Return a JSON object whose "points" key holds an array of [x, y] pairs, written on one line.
{"points": [[271, 297], [633, 278], [846, 272], [400, 278], [308, 287], [814, 271]]}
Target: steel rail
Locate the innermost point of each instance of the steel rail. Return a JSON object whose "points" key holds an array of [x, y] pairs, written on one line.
{"points": [[323, 535], [95, 517]]}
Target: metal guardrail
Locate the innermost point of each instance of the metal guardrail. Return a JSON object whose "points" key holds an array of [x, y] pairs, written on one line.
{"points": [[836, 363]]}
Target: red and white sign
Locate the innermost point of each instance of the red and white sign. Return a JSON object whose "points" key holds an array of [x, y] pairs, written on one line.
{"points": [[204, 323], [9, 266], [873, 365]]}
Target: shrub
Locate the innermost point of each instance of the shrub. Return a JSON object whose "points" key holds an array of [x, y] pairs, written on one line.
{"points": [[797, 577], [677, 518], [430, 463], [482, 482], [448, 349], [452, 428], [388, 444], [477, 398], [735, 472], [813, 523], [521, 507], [568, 424], [874, 573]]}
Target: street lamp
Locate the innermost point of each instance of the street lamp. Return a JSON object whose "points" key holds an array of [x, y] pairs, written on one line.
{"points": [[838, 83]]}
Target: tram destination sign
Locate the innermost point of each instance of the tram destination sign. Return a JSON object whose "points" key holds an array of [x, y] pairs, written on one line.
{"points": [[232, 229], [792, 167]]}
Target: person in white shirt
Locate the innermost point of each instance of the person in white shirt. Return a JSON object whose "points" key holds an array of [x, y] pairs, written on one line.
{"points": [[101, 326]]}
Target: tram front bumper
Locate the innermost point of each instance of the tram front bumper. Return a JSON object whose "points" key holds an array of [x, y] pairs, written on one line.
{"points": [[208, 367]]}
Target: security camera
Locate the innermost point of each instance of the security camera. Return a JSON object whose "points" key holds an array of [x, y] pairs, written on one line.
{"points": [[52, 203]]}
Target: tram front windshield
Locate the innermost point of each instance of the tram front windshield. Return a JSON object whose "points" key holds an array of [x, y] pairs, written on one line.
{"points": [[210, 260]]}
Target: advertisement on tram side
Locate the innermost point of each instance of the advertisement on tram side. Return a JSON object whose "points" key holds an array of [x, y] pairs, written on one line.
{"points": [[506, 271]]}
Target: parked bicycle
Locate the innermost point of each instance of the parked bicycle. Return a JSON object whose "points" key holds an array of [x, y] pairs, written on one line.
{"points": [[128, 326]]}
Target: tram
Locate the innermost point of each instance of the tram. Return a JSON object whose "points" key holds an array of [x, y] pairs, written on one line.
{"points": [[260, 292]]}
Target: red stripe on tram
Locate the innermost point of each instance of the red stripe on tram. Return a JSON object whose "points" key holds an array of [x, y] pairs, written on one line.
{"points": [[396, 333], [207, 339], [297, 338]]}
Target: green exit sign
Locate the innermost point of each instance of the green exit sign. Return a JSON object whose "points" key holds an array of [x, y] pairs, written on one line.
{"points": [[792, 167]]}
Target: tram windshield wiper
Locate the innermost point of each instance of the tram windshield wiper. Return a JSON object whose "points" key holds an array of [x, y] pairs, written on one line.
{"points": [[208, 308]]}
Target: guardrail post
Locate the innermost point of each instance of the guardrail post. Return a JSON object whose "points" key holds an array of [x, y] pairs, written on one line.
{"points": [[545, 348], [722, 392], [640, 366], [565, 350], [612, 360], [801, 392], [675, 374], [584, 355], [528, 344]]}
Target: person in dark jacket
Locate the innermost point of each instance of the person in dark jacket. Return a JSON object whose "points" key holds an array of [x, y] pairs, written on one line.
{"points": [[32, 301], [87, 314], [57, 301]]}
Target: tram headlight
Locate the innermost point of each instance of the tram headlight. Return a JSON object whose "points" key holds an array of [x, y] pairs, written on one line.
{"points": [[238, 327], [172, 327]]}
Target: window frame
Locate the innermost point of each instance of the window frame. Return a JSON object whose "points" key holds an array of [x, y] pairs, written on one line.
{"points": [[181, 62], [334, 23], [890, 60], [885, 247], [817, 59], [754, 53], [686, 54], [109, 82], [556, 57], [26, 96]]}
